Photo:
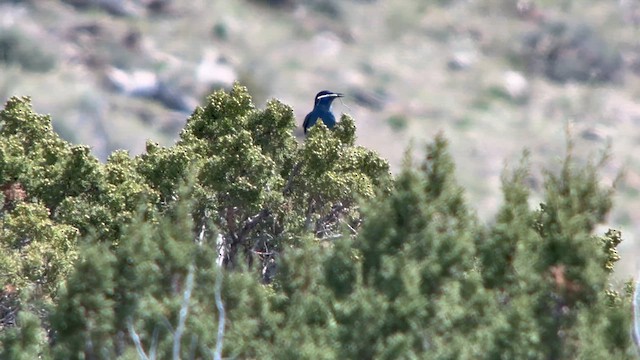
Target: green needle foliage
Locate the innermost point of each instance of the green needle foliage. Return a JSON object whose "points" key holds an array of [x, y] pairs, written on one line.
{"points": [[240, 241]]}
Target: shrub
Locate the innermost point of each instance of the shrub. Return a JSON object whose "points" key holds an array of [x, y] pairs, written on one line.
{"points": [[18, 49]]}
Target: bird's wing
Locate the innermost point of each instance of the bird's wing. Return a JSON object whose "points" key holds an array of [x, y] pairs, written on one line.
{"points": [[305, 124]]}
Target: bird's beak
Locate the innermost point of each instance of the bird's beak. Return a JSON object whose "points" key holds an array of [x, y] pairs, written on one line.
{"points": [[339, 95]]}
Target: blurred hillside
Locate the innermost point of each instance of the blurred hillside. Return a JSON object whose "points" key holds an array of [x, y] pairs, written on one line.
{"points": [[495, 76]]}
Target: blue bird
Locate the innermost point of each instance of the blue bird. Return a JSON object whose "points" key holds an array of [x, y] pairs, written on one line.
{"points": [[321, 110]]}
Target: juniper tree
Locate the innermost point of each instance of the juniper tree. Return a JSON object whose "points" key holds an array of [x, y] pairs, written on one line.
{"points": [[246, 172], [26, 341], [549, 272], [417, 293], [122, 260], [256, 183]]}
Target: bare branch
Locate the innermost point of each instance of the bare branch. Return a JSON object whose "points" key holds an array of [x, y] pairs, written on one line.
{"points": [[252, 222], [184, 311], [221, 246], [263, 253], [136, 340], [307, 220], [154, 343], [636, 315], [353, 231], [294, 172], [201, 235], [221, 316], [333, 216]]}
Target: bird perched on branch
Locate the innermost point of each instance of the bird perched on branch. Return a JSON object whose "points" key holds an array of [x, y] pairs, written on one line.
{"points": [[321, 110]]}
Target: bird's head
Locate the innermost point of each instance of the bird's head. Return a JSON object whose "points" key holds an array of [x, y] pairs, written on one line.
{"points": [[325, 97]]}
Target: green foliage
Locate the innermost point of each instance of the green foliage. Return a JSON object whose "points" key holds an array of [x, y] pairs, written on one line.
{"points": [[35, 250], [264, 186], [241, 242], [307, 329], [83, 320], [136, 288], [34, 156], [417, 248], [398, 122], [26, 341], [610, 240], [551, 272]]}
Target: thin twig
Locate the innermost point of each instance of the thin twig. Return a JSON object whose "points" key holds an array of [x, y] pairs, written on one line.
{"points": [[343, 104]]}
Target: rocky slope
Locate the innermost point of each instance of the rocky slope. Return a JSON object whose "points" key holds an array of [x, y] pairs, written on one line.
{"points": [[495, 76]]}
